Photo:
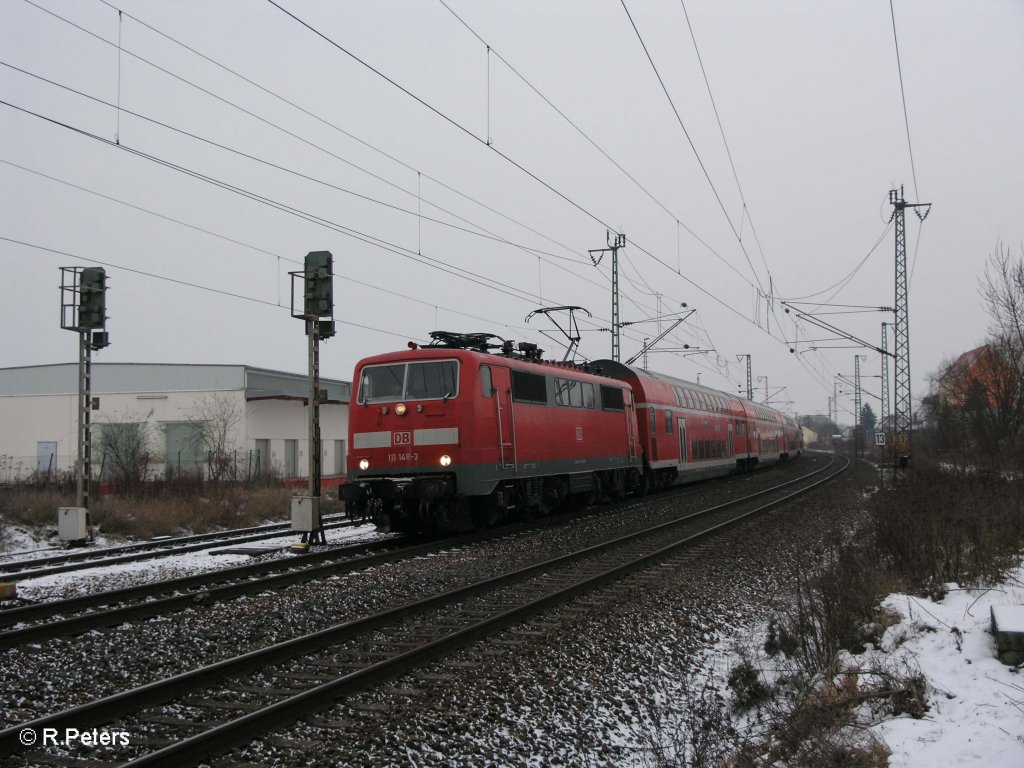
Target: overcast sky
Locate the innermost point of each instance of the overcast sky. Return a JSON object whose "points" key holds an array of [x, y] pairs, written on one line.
{"points": [[460, 189]]}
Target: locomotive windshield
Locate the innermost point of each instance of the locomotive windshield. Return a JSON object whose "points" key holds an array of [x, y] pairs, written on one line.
{"points": [[434, 380]]}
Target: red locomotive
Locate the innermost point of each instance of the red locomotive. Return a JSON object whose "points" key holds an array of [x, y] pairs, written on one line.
{"points": [[465, 432]]}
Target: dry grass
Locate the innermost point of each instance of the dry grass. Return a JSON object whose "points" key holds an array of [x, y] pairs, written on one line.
{"points": [[936, 525], [208, 507]]}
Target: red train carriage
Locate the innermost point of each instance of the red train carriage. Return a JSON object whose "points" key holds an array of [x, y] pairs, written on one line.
{"points": [[453, 436], [690, 432]]}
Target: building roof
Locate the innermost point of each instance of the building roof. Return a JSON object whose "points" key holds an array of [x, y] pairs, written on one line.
{"points": [[114, 378], [966, 361]]}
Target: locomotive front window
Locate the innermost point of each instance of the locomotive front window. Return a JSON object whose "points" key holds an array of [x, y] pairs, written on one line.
{"points": [[432, 380], [382, 383]]}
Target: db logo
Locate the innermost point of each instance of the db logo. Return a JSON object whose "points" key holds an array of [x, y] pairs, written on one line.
{"points": [[401, 438]]}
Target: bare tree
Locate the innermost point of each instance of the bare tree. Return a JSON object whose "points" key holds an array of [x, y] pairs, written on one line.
{"points": [[996, 401], [213, 420], [125, 444], [977, 401]]}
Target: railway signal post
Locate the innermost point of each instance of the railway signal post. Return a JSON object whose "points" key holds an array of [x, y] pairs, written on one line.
{"points": [[317, 303], [83, 310]]}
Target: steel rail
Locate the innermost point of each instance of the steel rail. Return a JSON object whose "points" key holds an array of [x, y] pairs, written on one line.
{"points": [[255, 724], [103, 710], [153, 550], [84, 554], [246, 584]]}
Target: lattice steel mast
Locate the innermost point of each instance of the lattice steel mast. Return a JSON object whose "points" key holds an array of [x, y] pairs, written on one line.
{"points": [[902, 412], [613, 245]]}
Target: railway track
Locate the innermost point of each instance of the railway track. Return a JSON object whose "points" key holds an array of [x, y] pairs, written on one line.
{"points": [[168, 721], [71, 616], [148, 550]]}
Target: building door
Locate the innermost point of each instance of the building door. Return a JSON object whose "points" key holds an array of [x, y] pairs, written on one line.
{"points": [[339, 457], [262, 463], [291, 458], [46, 459]]}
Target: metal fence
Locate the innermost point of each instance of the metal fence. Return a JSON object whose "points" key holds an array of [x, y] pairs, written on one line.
{"points": [[235, 466]]}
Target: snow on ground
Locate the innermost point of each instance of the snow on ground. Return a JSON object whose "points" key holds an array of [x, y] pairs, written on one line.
{"points": [[976, 703], [87, 580]]}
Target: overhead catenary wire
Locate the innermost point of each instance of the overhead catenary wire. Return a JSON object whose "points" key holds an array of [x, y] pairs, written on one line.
{"points": [[693, 147], [284, 169], [500, 286], [184, 283], [512, 68], [249, 246], [725, 142], [468, 133], [716, 299], [318, 118]]}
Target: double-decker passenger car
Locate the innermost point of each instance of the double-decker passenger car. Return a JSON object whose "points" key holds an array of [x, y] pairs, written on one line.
{"points": [[452, 436], [690, 432]]}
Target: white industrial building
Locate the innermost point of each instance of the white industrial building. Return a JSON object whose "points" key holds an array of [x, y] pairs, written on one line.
{"points": [[269, 432]]}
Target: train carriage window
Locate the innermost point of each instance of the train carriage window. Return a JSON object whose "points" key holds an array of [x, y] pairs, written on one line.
{"points": [[576, 394], [668, 422], [611, 399], [654, 422], [694, 450], [561, 391], [529, 387], [486, 387], [436, 379], [588, 393]]}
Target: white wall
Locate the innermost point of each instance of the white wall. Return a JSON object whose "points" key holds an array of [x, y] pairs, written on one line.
{"points": [[27, 420], [280, 420]]}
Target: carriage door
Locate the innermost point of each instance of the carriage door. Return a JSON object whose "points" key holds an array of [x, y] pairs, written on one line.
{"points": [[730, 449], [681, 424], [502, 387]]}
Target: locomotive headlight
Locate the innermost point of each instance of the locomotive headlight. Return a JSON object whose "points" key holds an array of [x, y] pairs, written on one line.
{"points": [[364, 463], [446, 460], [400, 409]]}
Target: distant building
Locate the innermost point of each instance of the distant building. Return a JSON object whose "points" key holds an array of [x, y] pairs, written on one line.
{"points": [[39, 417], [810, 436], [980, 377]]}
